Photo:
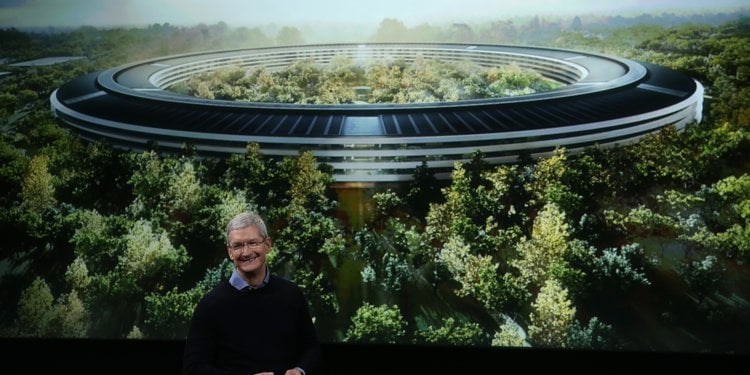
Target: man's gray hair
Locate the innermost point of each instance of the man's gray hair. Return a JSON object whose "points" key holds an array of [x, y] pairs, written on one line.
{"points": [[247, 219]]}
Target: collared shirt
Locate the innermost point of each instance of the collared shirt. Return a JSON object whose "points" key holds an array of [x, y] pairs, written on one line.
{"points": [[240, 284]]}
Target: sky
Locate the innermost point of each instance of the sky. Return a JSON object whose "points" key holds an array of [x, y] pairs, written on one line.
{"points": [[108, 13]]}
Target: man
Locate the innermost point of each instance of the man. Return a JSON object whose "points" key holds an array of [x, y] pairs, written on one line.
{"points": [[257, 323]]}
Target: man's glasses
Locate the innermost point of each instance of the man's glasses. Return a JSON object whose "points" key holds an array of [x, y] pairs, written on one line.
{"points": [[239, 246]]}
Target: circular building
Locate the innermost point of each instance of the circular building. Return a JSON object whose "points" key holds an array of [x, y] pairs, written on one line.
{"points": [[603, 100]]}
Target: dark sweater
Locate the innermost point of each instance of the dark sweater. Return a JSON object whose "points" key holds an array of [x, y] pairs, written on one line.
{"points": [[245, 332]]}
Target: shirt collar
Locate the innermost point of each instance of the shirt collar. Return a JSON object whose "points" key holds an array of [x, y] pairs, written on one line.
{"points": [[239, 283]]}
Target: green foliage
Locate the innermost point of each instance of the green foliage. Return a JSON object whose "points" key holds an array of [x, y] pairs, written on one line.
{"points": [[168, 315], [319, 290], [135, 334], [722, 224], [12, 171], [149, 260], [248, 172], [552, 316], [576, 273], [546, 248], [475, 203], [167, 190], [213, 276], [389, 30], [477, 275], [622, 267], [289, 36], [735, 192], [38, 189], [385, 203], [508, 335], [423, 190], [642, 221], [38, 316], [98, 239], [397, 272], [308, 183], [376, 325], [309, 236], [389, 255], [549, 181], [76, 212], [70, 317], [453, 333], [209, 222], [77, 275], [342, 81], [34, 310], [595, 335], [703, 277]]}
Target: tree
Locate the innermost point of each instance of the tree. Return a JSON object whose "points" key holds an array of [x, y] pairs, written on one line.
{"points": [[476, 169], [547, 183], [96, 242], [184, 191], [735, 193], [13, 166], [547, 247], [596, 335], [38, 189], [289, 36], [150, 181], [308, 183], [77, 275], [642, 221], [39, 316], [423, 190], [576, 24], [390, 30], [308, 239], [453, 333], [70, 316], [620, 268], [248, 172], [552, 316], [376, 324], [477, 275], [452, 218], [510, 334], [149, 260], [386, 204], [726, 214], [34, 313], [388, 255], [703, 277], [320, 293], [168, 315]]}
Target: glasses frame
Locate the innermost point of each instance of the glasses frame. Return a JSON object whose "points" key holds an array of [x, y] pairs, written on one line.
{"points": [[241, 246]]}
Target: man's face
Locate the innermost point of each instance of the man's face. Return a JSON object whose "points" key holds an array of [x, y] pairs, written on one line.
{"points": [[248, 249]]}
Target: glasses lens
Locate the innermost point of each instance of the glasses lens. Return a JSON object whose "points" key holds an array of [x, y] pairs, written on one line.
{"points": [[241, 245]]}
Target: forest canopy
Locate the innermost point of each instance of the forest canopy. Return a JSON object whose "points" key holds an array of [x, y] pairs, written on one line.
{"points": [[638, 247], [344, 82]]}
